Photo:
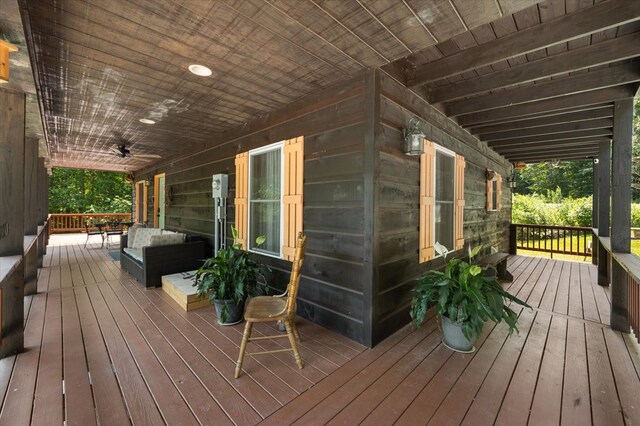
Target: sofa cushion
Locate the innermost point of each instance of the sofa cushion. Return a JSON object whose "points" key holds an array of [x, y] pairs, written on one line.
{"points": [[143, 236], [135, 253], [131, 234], [166, 239]]}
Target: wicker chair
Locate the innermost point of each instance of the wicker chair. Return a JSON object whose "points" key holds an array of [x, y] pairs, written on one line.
{"points": [[277, 309]]}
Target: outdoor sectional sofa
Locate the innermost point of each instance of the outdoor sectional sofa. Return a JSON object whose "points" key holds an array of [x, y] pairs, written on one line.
{"points": [[155, 253]]}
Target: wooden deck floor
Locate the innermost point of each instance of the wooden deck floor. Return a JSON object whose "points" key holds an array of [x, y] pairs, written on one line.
{"points": [[100, 348]]}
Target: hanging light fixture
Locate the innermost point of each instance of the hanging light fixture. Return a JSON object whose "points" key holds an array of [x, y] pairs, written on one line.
{"points": [[413, 138]]}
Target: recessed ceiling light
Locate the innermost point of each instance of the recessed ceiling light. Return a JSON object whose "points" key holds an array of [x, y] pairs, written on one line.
{"points": [[147, 121], [200, 70]]}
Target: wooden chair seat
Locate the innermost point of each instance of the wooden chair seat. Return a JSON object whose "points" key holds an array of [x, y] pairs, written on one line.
{"points": [[265, 309], [280, 308]]}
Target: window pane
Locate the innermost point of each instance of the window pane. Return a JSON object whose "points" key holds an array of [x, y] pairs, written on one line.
{"points": [[444, 224], [445, 192], [494, 201], [445, 174], [265, 200], [265, 176], [265, 220]]}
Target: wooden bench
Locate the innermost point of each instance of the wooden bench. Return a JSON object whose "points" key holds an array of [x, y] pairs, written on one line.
{"points": [[498, 261]]}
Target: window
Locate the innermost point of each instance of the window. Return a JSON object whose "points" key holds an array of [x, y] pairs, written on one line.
{"points": [[494, 191], [268, 197], [441, 200], [265, 198], [444, 202]]}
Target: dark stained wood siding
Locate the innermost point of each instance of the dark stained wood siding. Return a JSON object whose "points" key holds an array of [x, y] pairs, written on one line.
{"points": [[361, 206], [398, 206], [332, 122]]}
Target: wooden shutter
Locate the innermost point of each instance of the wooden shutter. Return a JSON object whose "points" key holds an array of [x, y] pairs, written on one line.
{"points": [[499, 197], [489, 194], [427, 201], [241, 201], [459, 206], [292, 197]]}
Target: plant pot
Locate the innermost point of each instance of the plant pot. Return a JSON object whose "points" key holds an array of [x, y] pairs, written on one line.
{"points": [[454, 339], [234, 311]]}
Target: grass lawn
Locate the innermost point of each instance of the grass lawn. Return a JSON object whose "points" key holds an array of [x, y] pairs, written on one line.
{"points": [[573, 242]]}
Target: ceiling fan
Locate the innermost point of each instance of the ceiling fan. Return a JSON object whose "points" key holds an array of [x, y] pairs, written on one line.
{"points": [[121, 150]]}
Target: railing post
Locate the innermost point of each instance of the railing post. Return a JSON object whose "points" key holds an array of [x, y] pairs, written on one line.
{"points": [[513, 239]]}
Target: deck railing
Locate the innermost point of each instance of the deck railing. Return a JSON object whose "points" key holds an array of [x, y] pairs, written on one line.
{"points": [[573, 240], [75, 222]]}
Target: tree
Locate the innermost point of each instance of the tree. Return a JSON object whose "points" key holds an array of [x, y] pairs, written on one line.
{"points": [[635, 168], [573, 179], [88, 191]]}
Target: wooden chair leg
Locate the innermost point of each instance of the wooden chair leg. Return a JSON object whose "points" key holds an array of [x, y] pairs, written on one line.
{"points": [[295, 330], [294, 345], [243, 347]]}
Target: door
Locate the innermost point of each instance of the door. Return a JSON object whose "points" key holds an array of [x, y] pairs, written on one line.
{"points": [[158, 201]]}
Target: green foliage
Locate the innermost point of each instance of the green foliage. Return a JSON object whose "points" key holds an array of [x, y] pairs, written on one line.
{"points": [[571, 179], [88, 191], [635, 215], [230, 275], [463, 294], [535, 210]]}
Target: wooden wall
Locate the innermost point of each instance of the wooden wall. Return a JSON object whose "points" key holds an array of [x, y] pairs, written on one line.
{"points": [[361, 205], [332, 122], [398, 186]]}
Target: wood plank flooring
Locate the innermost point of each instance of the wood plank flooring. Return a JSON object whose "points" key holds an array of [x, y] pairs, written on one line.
{"points": [[101, 349]]}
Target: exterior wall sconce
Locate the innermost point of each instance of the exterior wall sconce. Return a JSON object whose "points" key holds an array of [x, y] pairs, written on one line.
{"points": [[512, 180], [413, 138]]}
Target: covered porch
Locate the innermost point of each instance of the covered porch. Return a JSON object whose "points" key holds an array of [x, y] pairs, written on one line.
{"points": [[149, 362]]}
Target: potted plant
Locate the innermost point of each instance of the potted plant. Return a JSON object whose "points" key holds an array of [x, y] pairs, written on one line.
{"points": [[464, 298], [228, 279]]}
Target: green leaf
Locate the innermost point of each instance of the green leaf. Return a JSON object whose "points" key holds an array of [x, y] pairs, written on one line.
{"points": [[475, 270]]}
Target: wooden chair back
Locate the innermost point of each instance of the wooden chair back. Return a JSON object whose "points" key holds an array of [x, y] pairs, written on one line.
{"points": [[294, 281]]}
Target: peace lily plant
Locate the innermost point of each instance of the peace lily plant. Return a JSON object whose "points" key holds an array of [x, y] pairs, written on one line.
{"points": [[465, 298]]}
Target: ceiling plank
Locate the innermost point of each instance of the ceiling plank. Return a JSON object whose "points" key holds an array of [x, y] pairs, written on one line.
{"points": [[543, 158], [593, 97], [578, 135], [584, 82], [585, 21], [605, 123], [534, 145], [552, 151], [609, 51], [572, 117]]}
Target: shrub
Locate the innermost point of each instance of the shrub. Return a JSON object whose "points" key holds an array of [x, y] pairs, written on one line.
{"points": [[635, 215]]}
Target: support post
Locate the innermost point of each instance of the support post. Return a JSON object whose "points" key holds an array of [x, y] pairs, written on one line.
{"points": [[594, 213], [513, 241], [41, 206], [12, 119], [621, 210], [30, 215], [604, 206]]}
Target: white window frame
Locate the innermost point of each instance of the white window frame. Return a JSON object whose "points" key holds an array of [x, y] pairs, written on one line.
{"points": [[449, 153], [258, 151]]}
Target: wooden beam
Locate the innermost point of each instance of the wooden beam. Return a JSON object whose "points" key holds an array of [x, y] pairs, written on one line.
{"points": [[578, 134], [598, 17], [584, 82], [593, 97], [543, 158], [612, 50], [572, 117], [552, 150], [535, 145], [621, 210], [603, 123]]}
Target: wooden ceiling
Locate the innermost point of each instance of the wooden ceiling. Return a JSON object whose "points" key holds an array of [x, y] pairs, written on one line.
{"points": [[534, 80]]}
